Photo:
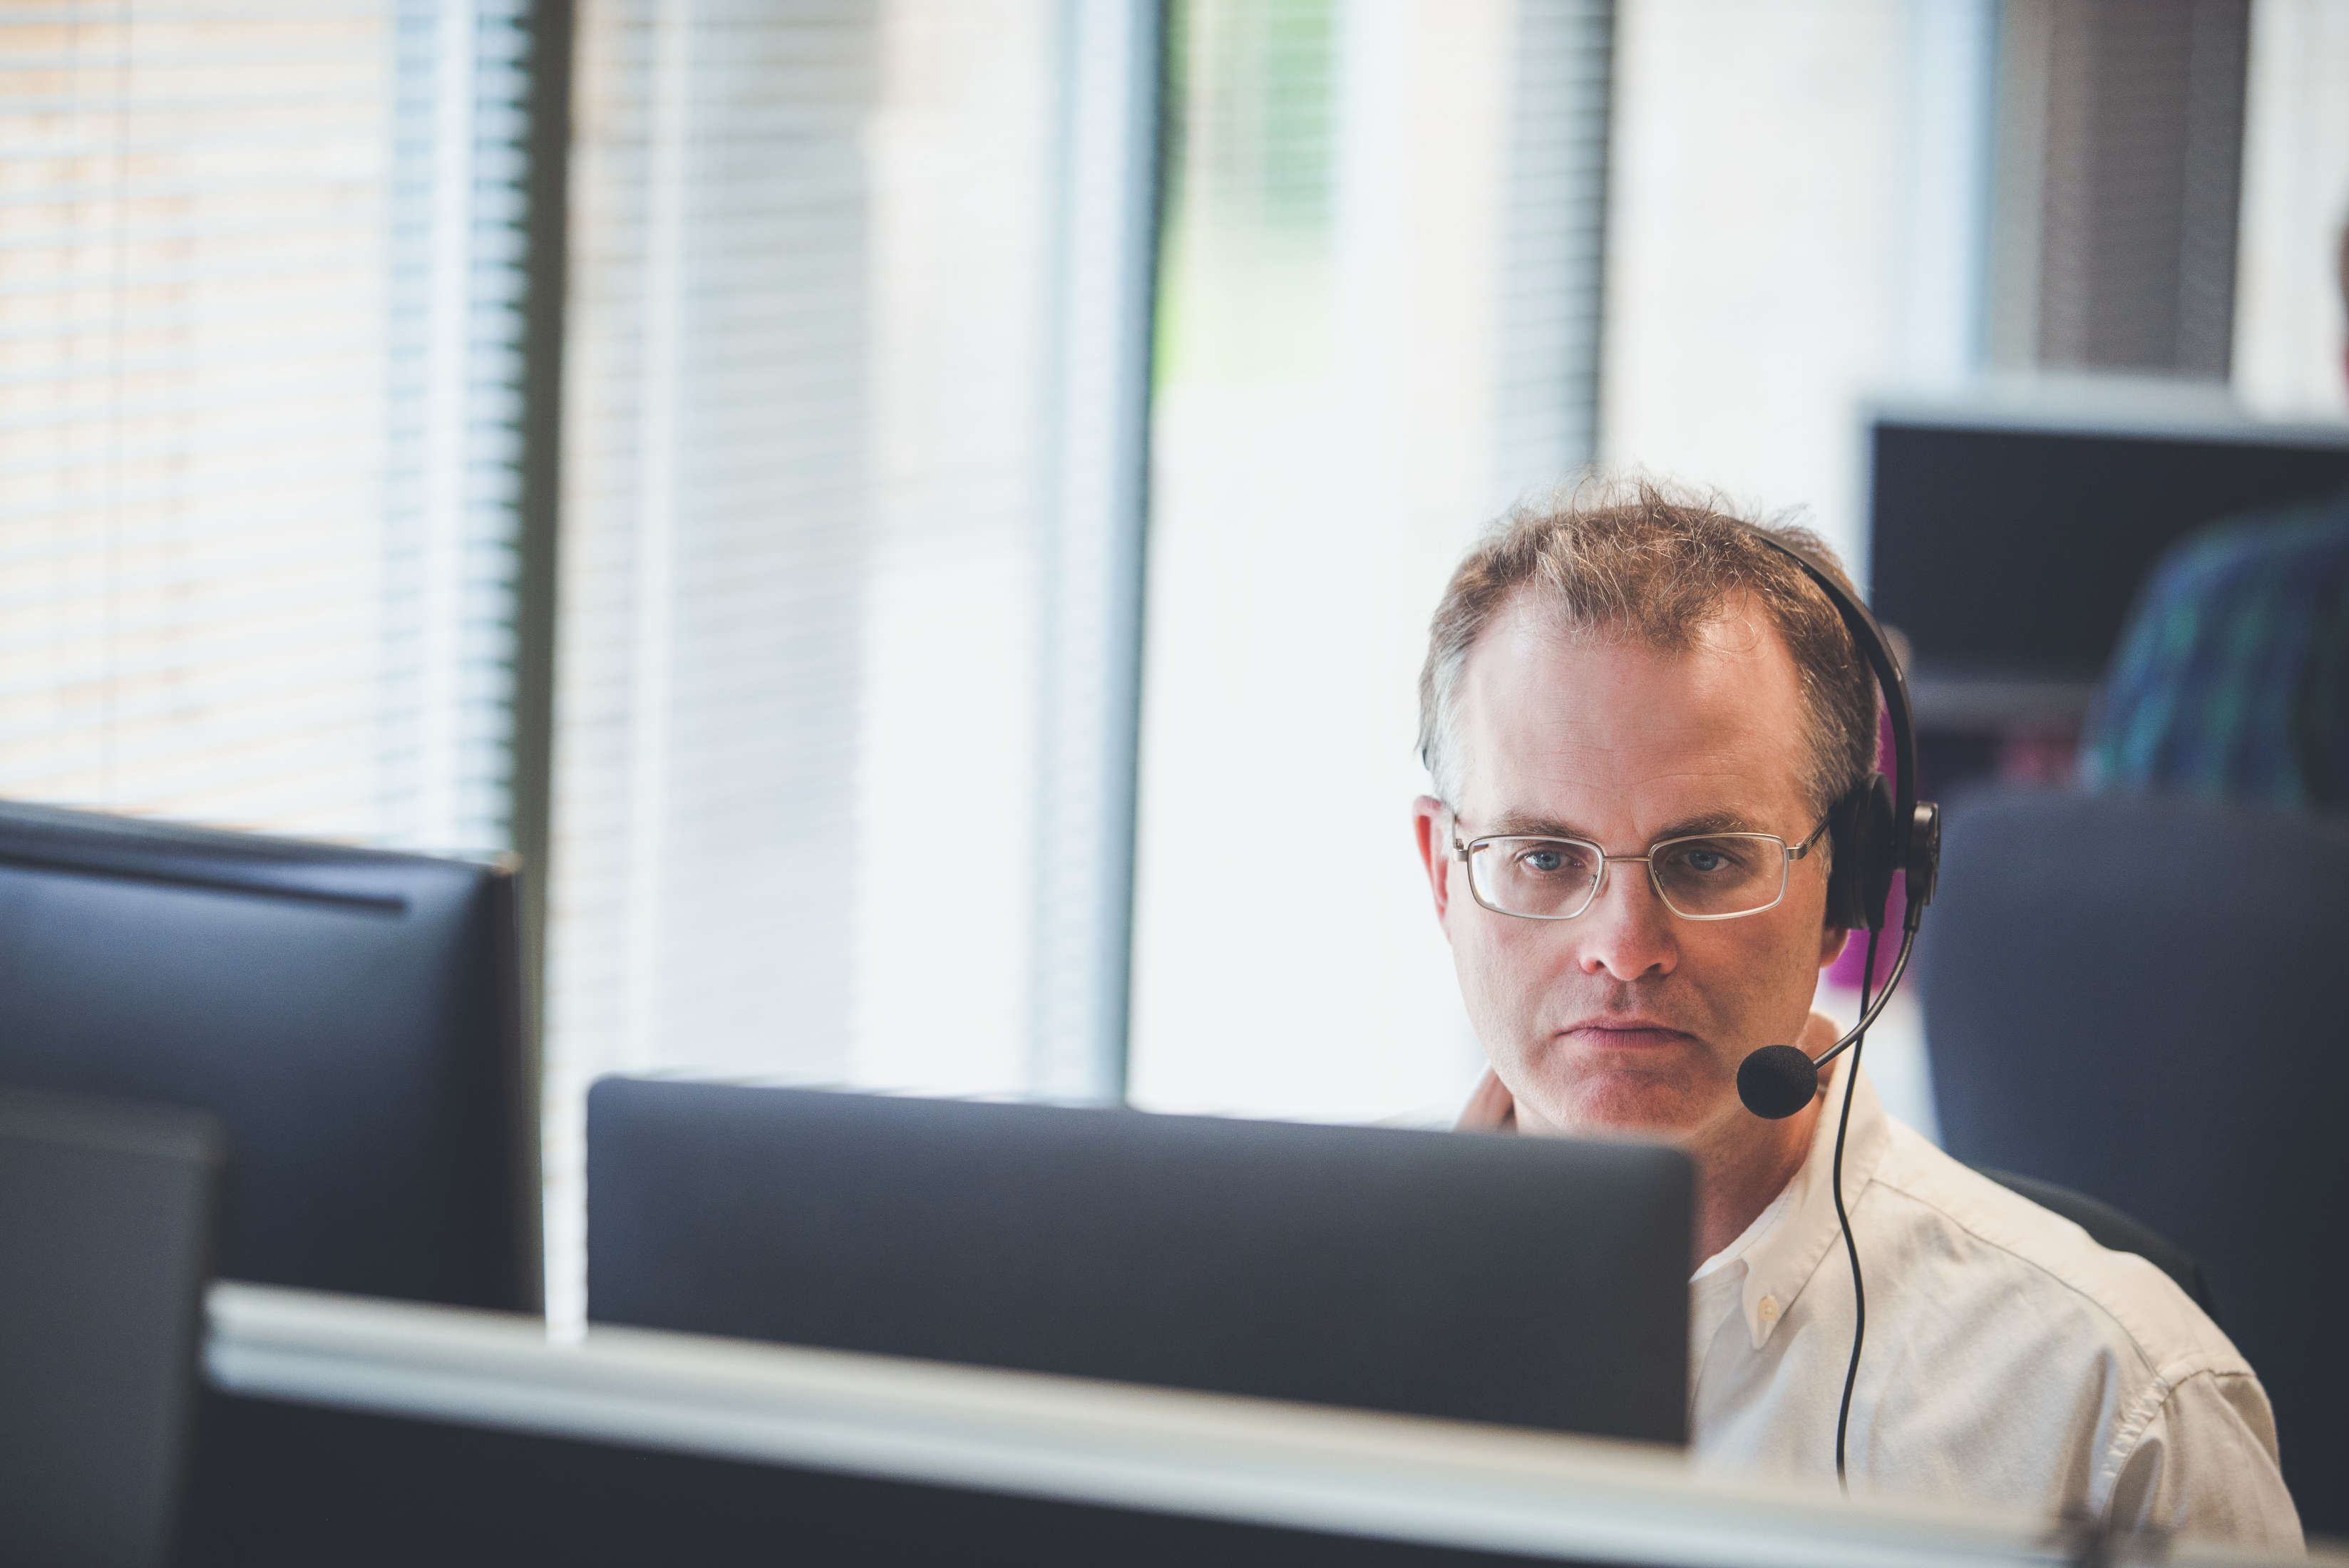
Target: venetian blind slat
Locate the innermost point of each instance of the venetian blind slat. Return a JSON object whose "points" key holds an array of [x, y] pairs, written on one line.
{"points": [[261, 274]]}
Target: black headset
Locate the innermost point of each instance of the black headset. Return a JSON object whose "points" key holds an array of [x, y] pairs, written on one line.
{"points": [[1876, 829]]}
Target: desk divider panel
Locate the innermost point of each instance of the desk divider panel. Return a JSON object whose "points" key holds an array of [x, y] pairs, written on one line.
{"points": [[364, 1431]]}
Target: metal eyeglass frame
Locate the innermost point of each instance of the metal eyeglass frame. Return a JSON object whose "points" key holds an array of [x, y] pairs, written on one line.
{"points": [[1791, 853]]}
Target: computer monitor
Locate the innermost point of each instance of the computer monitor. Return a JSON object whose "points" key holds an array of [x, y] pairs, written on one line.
{"points": [[2009, 538], [106, 1229], [353, 1017], [1532, 1281]]}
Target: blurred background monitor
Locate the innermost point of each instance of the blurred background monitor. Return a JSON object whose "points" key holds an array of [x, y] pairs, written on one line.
{"points": [[1532, 1281], [106, 1230], [353, 1017], [2010, 544]]}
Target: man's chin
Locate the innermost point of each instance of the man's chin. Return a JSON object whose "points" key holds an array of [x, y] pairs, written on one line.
{"points": [[1620, 1105]]}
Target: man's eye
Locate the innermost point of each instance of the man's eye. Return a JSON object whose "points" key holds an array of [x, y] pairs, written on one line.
{"points": [[1552, 860], [1710, 860]]}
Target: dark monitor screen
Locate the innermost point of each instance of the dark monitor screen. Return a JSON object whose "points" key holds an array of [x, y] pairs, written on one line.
{"points": [[2007, 552], [106, 1229], [352, 1018], [1533, 1282]]}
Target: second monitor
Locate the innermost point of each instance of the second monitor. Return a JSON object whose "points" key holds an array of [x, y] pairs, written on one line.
{"points": [[2009, 539], [353, 1017], [1539, 1283]]}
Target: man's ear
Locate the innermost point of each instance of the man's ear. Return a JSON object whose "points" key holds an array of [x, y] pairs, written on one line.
{"points": [[1427, 816], [1831, 941]]}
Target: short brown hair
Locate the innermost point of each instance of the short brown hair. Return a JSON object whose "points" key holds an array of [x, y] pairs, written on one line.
{"points": [[1645, 560]]}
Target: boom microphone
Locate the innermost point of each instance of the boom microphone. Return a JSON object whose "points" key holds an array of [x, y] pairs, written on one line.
{"points": [[1777, 1081]]}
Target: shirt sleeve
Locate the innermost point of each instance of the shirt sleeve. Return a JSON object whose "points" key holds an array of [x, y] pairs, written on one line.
{"points": [[2202, 1463]]}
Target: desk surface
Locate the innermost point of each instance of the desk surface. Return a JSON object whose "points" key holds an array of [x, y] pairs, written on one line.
{"points": [[1342, 1472]]}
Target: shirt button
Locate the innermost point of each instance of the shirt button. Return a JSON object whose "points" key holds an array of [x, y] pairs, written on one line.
{"points": [[1768, 1308]]}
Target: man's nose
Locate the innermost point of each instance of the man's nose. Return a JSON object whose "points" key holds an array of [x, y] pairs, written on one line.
{"points": [[1627, 930]]}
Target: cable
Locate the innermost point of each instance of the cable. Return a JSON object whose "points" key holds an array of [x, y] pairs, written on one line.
{"points": [[1843, 1125]]}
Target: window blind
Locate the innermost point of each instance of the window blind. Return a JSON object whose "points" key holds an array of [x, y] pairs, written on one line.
{"points": [[1554, 237], [2117, 184], [259, 280], [853, 413]]}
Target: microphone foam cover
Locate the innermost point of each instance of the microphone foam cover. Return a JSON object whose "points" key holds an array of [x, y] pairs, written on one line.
{"points": [[1776, 1081]]}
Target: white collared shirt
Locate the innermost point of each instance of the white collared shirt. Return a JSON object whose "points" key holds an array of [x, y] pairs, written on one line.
{"points": [[2010, 1359]]}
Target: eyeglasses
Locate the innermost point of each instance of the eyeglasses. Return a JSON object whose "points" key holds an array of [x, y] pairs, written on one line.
{"points": [[1705, 876]]}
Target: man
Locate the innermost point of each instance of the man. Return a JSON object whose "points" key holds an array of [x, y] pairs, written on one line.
{"points": [[1639, 674], [2232, 679]]}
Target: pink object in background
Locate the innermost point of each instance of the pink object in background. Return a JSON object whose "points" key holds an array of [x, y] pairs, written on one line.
{"points": [[1845, 970]]}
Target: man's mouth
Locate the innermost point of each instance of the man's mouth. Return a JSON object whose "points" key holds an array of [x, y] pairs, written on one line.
{"points": [[1613, 1033]]}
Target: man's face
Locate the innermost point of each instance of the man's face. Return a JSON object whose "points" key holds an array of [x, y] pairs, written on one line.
{"points": [[1628, 1017]]}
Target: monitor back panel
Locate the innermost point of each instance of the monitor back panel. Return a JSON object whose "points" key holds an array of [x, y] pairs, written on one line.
{"points": [[1530, 1282], [106, 1213], [353, 1017]]}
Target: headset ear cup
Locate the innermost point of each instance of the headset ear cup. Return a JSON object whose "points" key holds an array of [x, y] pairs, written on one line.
{"points": [[1859, 876], [1876, 852], [1842, 859]]}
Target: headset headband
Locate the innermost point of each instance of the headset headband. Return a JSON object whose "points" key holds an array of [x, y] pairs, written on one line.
{"points": [[1877, 649]]}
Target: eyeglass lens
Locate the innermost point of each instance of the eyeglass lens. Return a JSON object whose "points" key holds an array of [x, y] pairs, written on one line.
{"points": [[1555, 879]]}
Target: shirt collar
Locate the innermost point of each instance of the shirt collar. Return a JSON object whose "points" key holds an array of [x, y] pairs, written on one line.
{"points": [[1782, 1248]]}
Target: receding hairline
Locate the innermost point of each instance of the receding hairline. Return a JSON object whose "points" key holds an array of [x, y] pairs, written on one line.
{"points": [[1643, 558], [1535, 608], [1539, 603]]}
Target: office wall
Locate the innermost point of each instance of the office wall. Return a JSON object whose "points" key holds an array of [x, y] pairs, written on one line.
{"points": [[2288, 323]]}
